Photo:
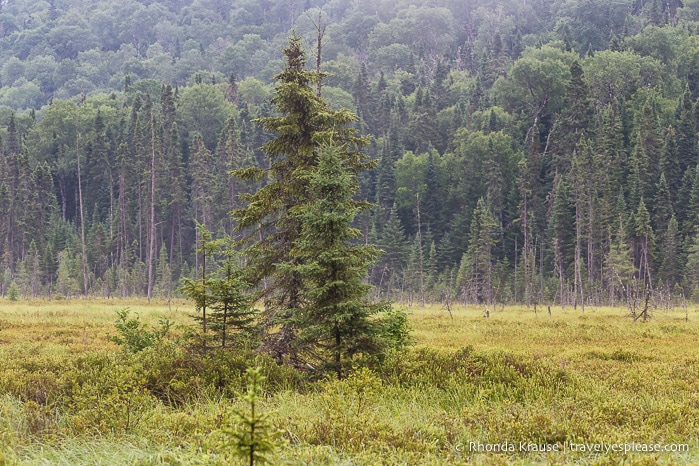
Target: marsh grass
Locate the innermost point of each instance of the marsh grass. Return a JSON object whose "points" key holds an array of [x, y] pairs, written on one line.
{"points": [[70, 396]]}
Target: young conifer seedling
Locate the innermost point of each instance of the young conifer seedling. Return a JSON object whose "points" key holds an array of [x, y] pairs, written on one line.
{"points": [[253, 437]]}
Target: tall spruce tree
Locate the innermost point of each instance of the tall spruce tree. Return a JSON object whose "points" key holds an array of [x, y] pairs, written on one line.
{"points": [[562, 234], [687, 134], [392, 242], [336, 320], [479, 283], [644, 245], [268, 222], [670, 271], [385, 181], [576, 120]]}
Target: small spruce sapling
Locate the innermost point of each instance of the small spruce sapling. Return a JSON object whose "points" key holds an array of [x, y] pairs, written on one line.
{"points": [[253, 438], [13, 292], [223, 292], [232, 313]]}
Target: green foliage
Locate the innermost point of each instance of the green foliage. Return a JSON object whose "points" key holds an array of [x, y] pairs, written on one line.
{"points": [[395, 330], [253, 439], [533, 78], [337, 321], [223, 292], [13, 292], [135, 335], [108, 397], [345, 406]]}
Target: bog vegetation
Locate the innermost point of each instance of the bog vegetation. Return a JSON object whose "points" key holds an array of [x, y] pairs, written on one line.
{"points": [[69, 394], [495, 153]]}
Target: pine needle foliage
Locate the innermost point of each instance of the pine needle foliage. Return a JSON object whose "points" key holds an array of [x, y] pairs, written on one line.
{"points": [[221, 294], [337, 321], [270, 229], [253, 438]]}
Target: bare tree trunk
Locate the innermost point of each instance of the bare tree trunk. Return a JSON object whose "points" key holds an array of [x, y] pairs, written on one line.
{"points": [[203, 284], [526, 251], [590, 241], [541, 272], [140, 222], [516, 257], [489, 278], [578, 277], [151, 248], [111, 218], [82, 218], [321, 32], [419, 244], [559, 269]]}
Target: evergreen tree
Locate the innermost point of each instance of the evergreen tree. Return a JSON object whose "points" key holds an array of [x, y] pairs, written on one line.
{"points": [[432, 205], [422, 128], [662, 206], [337, 320], [610, 145], [692, 210], [576, 120], [231, 155], [167, 107], [670, 166], [619, 266], [232, 315], [163, 284], [221, 293], [176, 206], [644, 245], [561, 232], [202, 169], [692, 268], [363, 100], [385, 180], [479, 258], [670, 271], [646, 155], [271, 229], [431, 270], [394, 247]]}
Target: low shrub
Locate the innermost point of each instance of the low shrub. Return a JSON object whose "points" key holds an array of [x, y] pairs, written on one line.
{"points": [[136, 336]]}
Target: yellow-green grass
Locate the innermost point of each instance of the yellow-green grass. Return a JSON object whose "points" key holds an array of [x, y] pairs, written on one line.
{"points": [[78, 325], [517, 376]]}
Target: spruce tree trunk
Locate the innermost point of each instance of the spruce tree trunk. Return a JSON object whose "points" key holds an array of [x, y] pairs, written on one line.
{"points": [[578, 277], [419, 245], [151, 249], [82, 218]]}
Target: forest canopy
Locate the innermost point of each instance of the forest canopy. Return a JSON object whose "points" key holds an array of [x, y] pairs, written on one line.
{"points": [[526, 151]]}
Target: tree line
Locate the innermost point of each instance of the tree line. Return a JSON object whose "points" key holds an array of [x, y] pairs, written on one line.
{"points": [[510, 166]]}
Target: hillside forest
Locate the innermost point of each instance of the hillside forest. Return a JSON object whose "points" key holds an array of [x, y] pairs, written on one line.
{"points": [[526, 151]]}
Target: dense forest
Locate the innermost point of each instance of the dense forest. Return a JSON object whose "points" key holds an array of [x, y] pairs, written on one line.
{"points": [[526, 151]]}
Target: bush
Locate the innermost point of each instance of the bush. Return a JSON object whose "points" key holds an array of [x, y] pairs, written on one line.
{"points": [[109, 396], [136, 336], [396, 330], [177, 375]]}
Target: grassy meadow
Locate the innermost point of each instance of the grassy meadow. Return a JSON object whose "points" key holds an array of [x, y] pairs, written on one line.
{"points": [[521, 380]]}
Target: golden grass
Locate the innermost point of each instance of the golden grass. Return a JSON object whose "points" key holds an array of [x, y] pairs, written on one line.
{"points": [[593, 376], [78, 324], [566, 334]]}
